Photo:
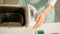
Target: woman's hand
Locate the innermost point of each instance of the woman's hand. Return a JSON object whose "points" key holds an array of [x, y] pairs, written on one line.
{"points": [[40, 18]]}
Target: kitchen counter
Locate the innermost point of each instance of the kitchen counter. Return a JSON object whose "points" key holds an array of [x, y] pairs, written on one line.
{"points": [[49, 28]]}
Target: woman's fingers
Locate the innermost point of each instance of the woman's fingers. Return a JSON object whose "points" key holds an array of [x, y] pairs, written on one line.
{"points": [[38, 23], [39, 20], [37, 17]]}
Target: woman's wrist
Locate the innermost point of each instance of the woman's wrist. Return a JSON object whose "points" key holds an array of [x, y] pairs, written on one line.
{"points": [[47, 9], [45, 12]]}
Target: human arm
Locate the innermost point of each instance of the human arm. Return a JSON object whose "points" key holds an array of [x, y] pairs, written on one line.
{"points": [[40, 18]]}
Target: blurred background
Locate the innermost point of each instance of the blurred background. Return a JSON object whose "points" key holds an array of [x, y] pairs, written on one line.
{"points": [[57, 7]]}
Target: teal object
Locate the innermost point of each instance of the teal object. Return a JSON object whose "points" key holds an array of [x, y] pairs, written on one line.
{"points": [[40, 6], [40, 31]]}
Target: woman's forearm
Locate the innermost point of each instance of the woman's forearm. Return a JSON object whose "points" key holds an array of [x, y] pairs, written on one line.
{"points": [[47, 9]]}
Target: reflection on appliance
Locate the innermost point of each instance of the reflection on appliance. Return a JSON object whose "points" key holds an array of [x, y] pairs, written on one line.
{"points": [[12, 16]]}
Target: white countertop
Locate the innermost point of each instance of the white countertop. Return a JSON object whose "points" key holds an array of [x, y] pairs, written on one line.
{"points": [[50, 28], [47, 27]]}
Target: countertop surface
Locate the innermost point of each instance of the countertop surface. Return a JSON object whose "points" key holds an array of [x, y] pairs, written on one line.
{"points": [[49, 28]]}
